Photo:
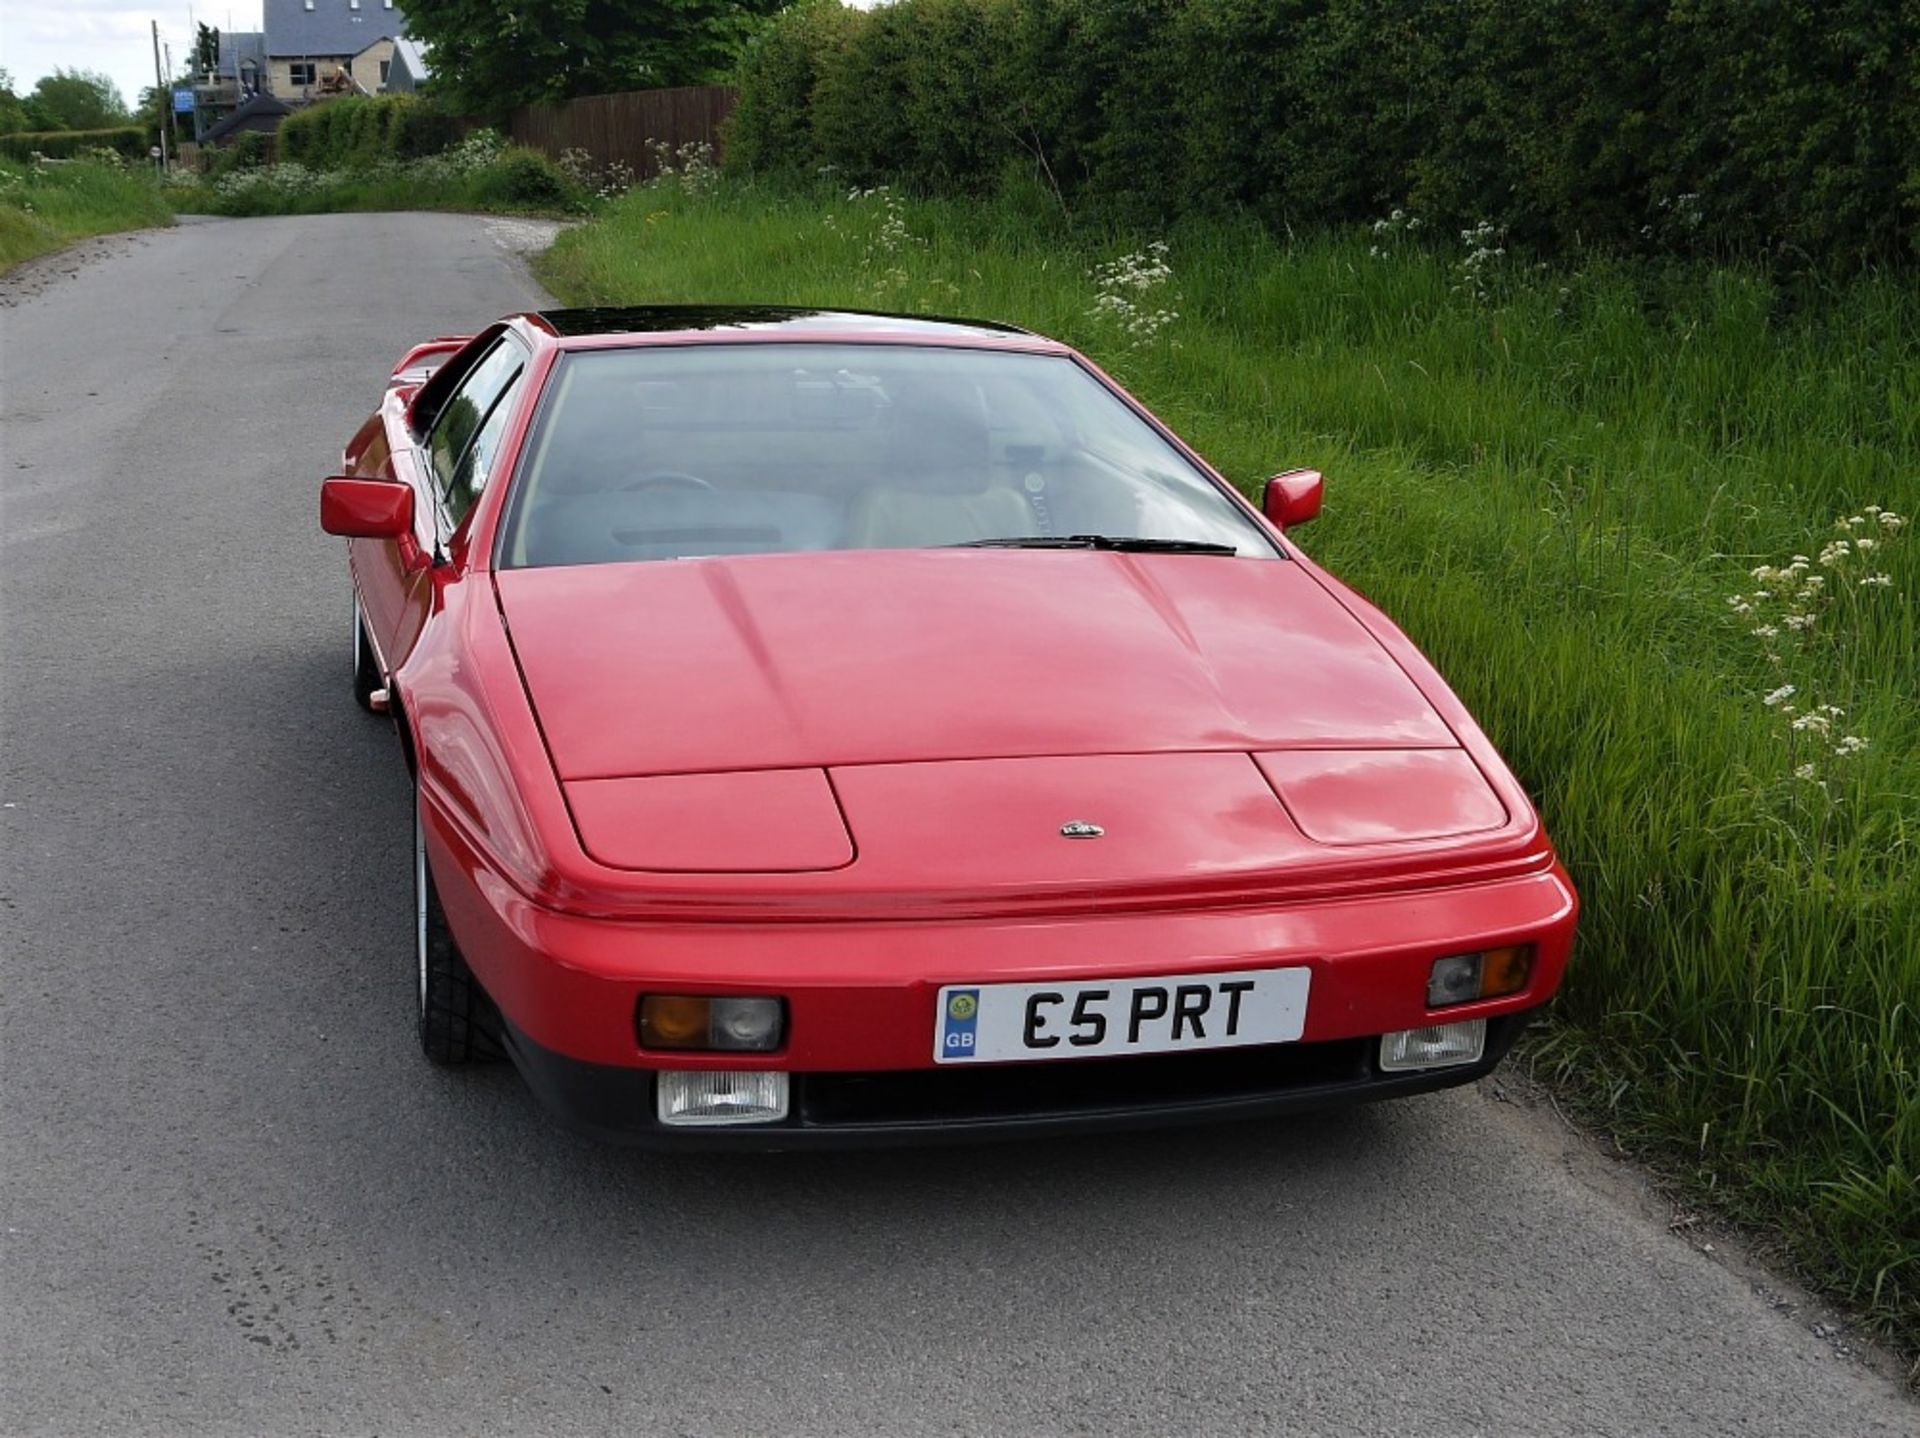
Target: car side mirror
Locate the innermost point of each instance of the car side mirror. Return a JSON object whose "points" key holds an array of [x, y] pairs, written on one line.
{"points": [[1293, 498], [366, 508]]}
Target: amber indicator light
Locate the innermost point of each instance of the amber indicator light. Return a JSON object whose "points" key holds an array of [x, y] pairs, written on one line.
{"points": [[1505, 971], [674, 1021]]}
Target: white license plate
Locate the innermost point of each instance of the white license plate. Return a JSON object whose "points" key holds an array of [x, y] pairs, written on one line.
{"points": [[1089, 1018]]}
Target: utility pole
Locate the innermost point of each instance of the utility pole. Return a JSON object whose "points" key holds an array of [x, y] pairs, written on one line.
{"points": [[166, 94]]}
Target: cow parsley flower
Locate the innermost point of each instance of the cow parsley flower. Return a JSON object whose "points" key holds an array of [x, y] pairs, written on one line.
{"points": [[1779, 696]]}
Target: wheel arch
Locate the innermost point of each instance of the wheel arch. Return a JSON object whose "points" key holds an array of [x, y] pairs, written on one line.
{"points": [[403, 726]]}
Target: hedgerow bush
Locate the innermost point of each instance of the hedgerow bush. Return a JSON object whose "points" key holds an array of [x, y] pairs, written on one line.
{"points": [[524, 180], [128, 141], [358, 132], [1683, 126], [249, 151]]}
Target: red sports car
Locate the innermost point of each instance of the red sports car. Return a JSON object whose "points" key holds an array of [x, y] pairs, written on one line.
{"points": [[836, 727]]}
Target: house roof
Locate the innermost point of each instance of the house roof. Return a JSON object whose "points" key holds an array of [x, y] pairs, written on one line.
{"points": [[236, 47], [409, 53], [330, 27], [259, 113]]}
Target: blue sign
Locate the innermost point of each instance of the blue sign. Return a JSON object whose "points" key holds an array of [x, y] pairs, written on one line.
{"points": [[957, 1023], [183, 101]]}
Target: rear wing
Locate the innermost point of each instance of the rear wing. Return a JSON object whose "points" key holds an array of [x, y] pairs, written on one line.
{"points": [[423, 359]]}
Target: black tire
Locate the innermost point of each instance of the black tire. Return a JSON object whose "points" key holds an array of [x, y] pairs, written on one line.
{"points": [[457, 1021], [366, 667]]}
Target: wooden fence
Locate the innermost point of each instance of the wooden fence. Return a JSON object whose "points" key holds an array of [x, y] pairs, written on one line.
{"points": [[616, 128]]}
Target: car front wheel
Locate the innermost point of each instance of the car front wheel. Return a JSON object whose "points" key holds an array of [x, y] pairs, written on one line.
{"points": [[458, 1022]]}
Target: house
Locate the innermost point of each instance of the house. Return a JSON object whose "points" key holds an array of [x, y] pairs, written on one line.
{"points": [[410, 69], [238, 75], [317, 47]]}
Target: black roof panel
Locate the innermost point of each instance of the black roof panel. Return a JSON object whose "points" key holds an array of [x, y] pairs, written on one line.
{"points": [[666, 319]]}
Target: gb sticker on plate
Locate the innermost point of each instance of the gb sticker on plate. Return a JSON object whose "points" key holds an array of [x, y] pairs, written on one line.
{"points": [[959, 1018]]}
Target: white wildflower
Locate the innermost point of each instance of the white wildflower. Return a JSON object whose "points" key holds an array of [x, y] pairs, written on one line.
{"points": [[1779, 696], [1877, 581], [1850, 745], [1805, 771], [1767, 631]]}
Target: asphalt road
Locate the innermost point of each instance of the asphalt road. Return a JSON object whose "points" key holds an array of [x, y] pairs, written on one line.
{"points": [[235, 1200]]}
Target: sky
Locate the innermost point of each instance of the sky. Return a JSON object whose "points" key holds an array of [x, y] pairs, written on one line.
{"points": [[36, 36]]}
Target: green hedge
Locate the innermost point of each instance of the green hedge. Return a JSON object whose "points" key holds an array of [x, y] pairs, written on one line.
{"points": [[1765, 127], [128, 140], [357, 132]]}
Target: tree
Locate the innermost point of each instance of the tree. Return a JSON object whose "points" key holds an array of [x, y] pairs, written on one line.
{"points": [[76, 100], [13, 114], [488, 58]]}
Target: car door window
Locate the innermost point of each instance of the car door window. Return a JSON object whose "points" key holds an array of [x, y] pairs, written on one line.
{"points": [[475, 468], [464, 416]]}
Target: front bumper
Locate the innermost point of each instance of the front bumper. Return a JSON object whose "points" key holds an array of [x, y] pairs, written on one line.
{"points": [[615, 1104], [862, 998]]}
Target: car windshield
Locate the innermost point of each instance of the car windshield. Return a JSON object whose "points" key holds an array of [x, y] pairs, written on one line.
{"points": [[677, 451]]}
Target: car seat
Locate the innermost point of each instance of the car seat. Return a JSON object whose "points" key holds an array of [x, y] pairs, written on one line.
{"points": [[941, 489]]}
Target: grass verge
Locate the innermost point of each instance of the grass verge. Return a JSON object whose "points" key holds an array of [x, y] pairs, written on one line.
{"points": [[46, 206], [1561, 483]]}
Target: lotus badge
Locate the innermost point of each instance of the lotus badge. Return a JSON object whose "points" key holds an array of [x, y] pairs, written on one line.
{"points": [[1081, 829]]}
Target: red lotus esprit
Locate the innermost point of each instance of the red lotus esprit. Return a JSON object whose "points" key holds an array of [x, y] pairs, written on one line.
{"points": [[835, 727]]}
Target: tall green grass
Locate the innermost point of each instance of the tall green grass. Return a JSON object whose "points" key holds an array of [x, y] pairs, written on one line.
{"points": [[1555, 488], [43, 207]]}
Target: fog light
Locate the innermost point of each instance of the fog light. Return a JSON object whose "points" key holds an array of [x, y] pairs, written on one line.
{"points": [[723, 1023], [1462, 978], [1437, 1046], [714, 1099]]}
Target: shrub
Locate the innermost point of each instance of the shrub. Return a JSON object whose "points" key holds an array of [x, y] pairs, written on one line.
{"points": [[249, 151], [524, 180], [359, 132], [772, 128], [128, 141], [1659, 125]]}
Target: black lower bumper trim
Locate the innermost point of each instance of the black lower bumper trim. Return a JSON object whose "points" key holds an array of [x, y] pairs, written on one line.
{"points": [[957, 1105]]}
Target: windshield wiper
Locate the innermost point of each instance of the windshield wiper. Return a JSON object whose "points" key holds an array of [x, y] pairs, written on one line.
{"points": [[1125, 543]]}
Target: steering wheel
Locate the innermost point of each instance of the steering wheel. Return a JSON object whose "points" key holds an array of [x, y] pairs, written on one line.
{"points": [[676, 478]]}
